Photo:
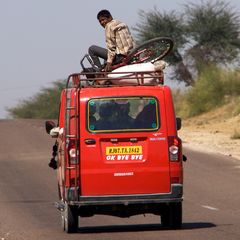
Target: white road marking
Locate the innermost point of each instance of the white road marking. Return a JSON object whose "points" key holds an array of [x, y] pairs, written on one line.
{"points": [[210, 208]]}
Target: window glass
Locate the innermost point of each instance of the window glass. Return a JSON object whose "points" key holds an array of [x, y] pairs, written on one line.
{"points": [[122, 114]]}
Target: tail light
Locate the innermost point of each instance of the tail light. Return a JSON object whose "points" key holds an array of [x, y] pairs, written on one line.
{"points": [[73, 152], [174, 148], [175, 156]]}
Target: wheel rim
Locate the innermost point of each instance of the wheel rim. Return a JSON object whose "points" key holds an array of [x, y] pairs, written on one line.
{"points": [[151, 51]]}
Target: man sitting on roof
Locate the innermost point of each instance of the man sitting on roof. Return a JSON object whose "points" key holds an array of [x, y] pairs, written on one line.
{"points": [[118, 39]]}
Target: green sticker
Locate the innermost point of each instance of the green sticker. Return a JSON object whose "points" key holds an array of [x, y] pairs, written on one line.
{"points": [[152, 101], [92, 127], [154, 125], [91, 103]]}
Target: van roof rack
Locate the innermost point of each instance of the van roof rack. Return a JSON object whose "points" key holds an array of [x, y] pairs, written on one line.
{"points": [[114, 79]]}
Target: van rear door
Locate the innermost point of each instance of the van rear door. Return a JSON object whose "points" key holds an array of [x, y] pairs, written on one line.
{"points": [[125, 147]]}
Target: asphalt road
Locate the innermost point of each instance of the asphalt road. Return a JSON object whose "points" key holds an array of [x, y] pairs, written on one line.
{"points": [[211, 208]]}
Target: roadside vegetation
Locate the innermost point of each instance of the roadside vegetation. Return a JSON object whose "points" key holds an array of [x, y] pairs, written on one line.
{"points": [[214, 88], [43, 105], [205, 58]]}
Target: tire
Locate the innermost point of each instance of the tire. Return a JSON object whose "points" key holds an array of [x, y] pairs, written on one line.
{"points": [[171, 218], [70, 219], [159, 48]]}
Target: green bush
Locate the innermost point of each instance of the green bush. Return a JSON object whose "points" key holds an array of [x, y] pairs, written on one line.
{"points": [[207, 93], [231, 83], [43, 105], [180, 103]]}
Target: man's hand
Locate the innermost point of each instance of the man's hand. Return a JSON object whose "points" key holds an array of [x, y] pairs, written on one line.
{"points": [[108, 67]]}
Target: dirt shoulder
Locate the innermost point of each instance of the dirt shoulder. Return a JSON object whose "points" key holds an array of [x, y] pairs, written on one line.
{"points": [[213, 132]]}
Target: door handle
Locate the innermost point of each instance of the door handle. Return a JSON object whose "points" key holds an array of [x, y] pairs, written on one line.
{"points": [[90, 141]]}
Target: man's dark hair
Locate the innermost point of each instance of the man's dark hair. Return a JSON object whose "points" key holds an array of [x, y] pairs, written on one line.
{"points": [[104, 13]]}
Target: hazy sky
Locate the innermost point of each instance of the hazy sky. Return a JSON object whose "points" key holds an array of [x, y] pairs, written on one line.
{"points": [[44, 40]]}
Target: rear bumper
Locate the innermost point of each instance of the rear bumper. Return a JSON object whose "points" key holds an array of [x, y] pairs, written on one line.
{"points": [[174, 196]]}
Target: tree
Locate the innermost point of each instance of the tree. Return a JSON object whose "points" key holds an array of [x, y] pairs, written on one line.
{"points": [[154, 24], [204, 33], [42, 105], [213, 28]]}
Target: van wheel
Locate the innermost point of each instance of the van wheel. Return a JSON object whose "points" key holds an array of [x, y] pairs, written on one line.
{"points": [[171, 218], [70, 219]]}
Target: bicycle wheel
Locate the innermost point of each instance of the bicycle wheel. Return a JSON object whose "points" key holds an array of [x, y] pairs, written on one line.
{"points": [[150, 51]]}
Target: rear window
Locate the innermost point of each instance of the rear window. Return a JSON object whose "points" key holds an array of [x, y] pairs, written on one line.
{"points": [[122, 114]]}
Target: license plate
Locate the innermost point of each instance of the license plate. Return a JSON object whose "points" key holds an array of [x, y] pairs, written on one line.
{"points": [[123, 150]]}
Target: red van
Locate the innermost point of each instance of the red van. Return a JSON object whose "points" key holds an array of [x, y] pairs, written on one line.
{"points": [[118, 151]]}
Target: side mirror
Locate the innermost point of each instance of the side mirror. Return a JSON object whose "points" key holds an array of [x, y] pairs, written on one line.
{"points": [[179, 123], [49, 125]]}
